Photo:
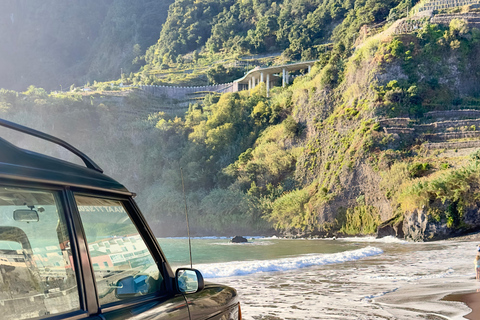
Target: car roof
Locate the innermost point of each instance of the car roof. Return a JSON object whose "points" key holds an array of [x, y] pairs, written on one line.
{"points": [[24, 165]]}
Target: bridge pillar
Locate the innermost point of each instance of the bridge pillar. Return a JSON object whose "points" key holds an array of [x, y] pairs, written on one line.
{"points": [[309, 68], [285, 76], [250, 84], [268, 84], [261, 76], [253, 82]]}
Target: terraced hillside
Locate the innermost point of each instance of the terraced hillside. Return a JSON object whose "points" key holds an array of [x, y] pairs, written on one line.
{"points": [[452, 129], [445, 4]]}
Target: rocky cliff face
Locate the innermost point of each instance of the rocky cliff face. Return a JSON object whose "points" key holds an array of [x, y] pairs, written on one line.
{"points": [[417, 227], [349, 164]]}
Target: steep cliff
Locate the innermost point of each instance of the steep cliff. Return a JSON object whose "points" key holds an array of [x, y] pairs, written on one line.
{"points": [[360, 168]]}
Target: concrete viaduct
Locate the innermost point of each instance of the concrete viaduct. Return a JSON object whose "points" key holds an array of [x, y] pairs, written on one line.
{"points": [[269, 75]]}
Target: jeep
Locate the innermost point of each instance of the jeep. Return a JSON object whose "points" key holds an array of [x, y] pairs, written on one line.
{"points": [[74, 245]]}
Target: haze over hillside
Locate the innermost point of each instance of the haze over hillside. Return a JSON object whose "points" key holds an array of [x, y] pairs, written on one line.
{"points": [[57, 43]]}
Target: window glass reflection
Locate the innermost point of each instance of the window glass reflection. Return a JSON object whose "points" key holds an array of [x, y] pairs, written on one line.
{"points": [[36, 264], [120, 258]]}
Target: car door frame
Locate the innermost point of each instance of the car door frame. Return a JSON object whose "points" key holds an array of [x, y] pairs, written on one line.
{"points": [[89, 306], [137, 218]]}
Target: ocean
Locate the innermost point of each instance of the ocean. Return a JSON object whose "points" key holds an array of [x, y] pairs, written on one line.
{"points": [[352, 278]]}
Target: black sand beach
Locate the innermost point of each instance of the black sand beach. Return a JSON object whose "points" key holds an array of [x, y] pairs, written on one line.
{"points": [[432, 280]]}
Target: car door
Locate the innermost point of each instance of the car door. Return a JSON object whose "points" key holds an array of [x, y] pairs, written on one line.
{"points": [[131, 277], [39, 274]]}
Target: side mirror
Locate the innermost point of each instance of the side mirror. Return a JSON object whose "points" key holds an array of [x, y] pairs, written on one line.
{"points": [[25, 215], [131, 287], [189, 280]]}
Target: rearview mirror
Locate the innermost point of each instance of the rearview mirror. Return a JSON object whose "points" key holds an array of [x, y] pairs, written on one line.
{"points": [[131, 286], [25, 215], [189, 280]]}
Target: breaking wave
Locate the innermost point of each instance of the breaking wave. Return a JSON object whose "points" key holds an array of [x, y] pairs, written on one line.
{"points": [[239, 268]]}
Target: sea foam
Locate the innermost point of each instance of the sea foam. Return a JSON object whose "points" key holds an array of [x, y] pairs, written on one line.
{"points": [[215, 238], [239, 268], [198, 238], [388, 239], [243, 244]]}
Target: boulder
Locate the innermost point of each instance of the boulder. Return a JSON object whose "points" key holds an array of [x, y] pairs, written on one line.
{"points": [[238, 239], [418, 227]]}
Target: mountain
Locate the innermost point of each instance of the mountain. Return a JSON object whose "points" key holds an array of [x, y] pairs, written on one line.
{"points": [[298, 28], [54, 44]]}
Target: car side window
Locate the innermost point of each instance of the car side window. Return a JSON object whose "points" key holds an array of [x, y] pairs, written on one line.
{"points": [[121, 261], [37, 275]]}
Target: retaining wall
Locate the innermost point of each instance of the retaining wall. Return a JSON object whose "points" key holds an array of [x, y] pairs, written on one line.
{"points": [[452, 114], [394, 122], [452, 135], [447, 124], [181, 93], [446, 4], [398, 130], [472, 19], [453, 145], [410, 25], [437, 131]]}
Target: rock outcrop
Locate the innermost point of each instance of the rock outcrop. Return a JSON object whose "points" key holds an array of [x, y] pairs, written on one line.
{"points": [[417, 227], [238, 239], [392, 227]]}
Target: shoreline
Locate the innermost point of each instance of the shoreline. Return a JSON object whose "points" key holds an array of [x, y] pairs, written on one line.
{"points": [[450, 299], [455, 298], [470, 299], [410, 280]]}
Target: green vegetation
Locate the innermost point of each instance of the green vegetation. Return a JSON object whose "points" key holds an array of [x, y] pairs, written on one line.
{"points": [[220, 74], [420, 56], [118, 39], [359, 220], [446, 197], [289, 212], [198, 34], [206, 140], [417, 170]]}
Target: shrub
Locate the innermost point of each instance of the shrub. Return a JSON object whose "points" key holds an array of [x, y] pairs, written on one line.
{"points": [[444, 166], [361, 219], [290, 212], [458, 186], [475, 155], [292, 128], [417, 170]]}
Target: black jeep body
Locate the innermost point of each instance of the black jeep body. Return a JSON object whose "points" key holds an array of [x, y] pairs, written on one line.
{"points": [[74, 245]]}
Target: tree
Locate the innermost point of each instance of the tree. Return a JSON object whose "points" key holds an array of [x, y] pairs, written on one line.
{"points": [[195, 56]]}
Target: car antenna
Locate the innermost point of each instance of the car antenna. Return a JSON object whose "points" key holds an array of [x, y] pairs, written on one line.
{"points": [[186, 216]]}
